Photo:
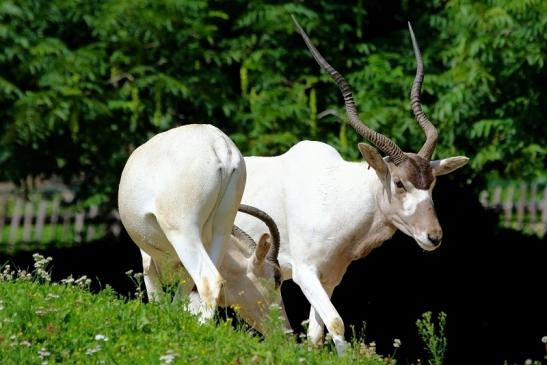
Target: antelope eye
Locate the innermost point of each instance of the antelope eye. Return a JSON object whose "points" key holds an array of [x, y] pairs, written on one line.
{"points": [[399, 184]]}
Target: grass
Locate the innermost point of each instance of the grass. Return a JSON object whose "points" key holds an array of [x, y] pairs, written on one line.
{"points": [[63, 323], [53, 234], [433, 336]]}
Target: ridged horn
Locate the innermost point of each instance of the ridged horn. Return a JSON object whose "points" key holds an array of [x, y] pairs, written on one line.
{"points": [[430, 131], [379, 140], [274, 234]]}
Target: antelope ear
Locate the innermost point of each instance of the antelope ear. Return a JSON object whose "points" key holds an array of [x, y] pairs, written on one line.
{"points": [[375, 160], [261, 250], [447, 165]]}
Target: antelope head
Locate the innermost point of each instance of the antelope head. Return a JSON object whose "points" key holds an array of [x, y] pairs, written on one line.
{"points": [[252, 275], [407, 178]]}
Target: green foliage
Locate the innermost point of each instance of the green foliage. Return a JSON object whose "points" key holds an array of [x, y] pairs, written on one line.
{"points": [[491, 89], [83, 83], [434, 336]]}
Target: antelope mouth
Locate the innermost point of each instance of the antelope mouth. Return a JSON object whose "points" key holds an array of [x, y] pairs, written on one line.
{"points": [[424, 242]]}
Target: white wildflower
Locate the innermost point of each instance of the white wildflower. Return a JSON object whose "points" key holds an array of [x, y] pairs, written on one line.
{"points": [[129, 272], [367, 350], [68, 281], [168, 358], [100, 337], [51, 296], [544, 339], [528, 362], [7, 274], [25, 343], [43, 353], [93, 350], [24, 275], [83, 282], [396, 343], [14, 341], [40, 265]]}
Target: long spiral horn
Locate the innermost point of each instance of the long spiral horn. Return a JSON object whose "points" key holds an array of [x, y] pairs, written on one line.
{"points": [[379, 140], [430, 131]]}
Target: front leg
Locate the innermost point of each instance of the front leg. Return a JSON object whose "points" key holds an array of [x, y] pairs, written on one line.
{"points": [[316, 325], [307, 278]]}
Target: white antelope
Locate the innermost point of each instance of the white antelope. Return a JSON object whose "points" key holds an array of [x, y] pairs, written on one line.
{"points": [[331, 212], [178, 197]]}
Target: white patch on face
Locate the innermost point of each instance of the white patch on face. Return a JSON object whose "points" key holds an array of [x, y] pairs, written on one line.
{"points": [[412, 199]]}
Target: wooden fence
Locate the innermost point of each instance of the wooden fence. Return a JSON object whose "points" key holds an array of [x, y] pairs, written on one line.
{"points": [[46, 215], [520, 207], [49, 215]]}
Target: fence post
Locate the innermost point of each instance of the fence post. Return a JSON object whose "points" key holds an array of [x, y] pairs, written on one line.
{"points": [[54, 217], [521, 205], [67, 198], [508, 206], [496, 200], [532, 203], [79, 226], [14, 225], [40, 220], [483, 198], [3, 215], [27, 221], [544, 210], [92, 214]]}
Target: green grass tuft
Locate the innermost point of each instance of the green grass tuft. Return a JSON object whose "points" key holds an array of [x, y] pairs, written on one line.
{"points": [[63, 323]]}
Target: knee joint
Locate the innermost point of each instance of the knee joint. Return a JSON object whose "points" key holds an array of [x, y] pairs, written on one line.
{"points": [[336, 327]]}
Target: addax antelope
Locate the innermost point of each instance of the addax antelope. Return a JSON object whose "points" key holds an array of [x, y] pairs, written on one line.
{"points": [[178, 197], [331, 212]]}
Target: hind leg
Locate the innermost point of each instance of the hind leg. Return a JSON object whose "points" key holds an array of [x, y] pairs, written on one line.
{"points": [[224, 216], [151, 277], [220, 224], [190, 250]]}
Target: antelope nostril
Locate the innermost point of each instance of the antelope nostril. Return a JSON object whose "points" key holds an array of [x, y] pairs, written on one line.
{"points": [[436, 240]]}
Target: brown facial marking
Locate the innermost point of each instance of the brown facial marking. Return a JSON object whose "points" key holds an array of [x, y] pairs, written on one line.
{"points": [[417, 170]]}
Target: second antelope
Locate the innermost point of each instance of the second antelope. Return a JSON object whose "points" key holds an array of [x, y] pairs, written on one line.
{"points": [[178, 197], [331, 212]]}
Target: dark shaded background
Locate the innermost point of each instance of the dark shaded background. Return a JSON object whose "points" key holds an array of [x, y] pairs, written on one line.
{"points": [[490, 282]]}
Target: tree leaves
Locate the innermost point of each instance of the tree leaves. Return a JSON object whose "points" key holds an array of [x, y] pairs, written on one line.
{"points": [[82, 84]]}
